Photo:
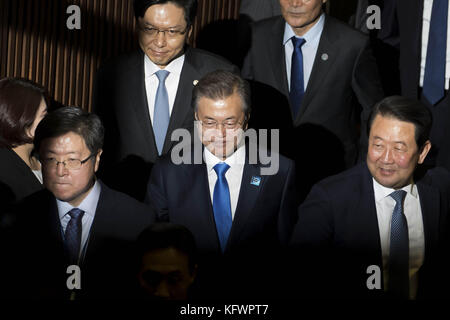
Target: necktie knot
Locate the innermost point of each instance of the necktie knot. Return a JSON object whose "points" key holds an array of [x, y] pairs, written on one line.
{"points": [[398, 196], [221, 169], [162, 75], [298, 42], [76, 213]]}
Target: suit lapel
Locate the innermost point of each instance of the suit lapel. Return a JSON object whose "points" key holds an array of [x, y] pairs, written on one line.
{"points": [[182, 106], [365, 224], [248, 196], [275, 45], [325, 57], [138, 97], [429, 203], [203, 204]]}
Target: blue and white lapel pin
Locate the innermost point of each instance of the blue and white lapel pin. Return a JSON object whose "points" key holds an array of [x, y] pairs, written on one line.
{"points": [[255, 181]]}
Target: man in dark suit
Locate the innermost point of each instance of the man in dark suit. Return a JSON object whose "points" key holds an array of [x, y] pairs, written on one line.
{"points": [[75, 234], [238, 215], [424, 68], [322, 73], [143, 97], [379, 229]]}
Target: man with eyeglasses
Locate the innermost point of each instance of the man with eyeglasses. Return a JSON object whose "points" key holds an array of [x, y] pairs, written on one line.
{"points": [[77, 219], [143, 97], [240, 218]]}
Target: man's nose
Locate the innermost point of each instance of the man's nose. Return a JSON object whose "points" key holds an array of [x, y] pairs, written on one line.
{"points": [[160, 38], [162, 290], [61, 169], [387, 156]]}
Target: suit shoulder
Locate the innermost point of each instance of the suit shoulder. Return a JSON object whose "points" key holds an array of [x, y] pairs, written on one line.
{"points": [[121, 62], [347, 32], [438, 177], [205, 59], [345, 179], [123, 201]]}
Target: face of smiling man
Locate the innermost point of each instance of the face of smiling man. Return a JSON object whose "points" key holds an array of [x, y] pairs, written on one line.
{"points": [[393, 153], [69, 185], [163, 47], [301, 15], [223, 124]]}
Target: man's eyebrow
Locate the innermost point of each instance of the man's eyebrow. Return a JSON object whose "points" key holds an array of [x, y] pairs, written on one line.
{"points": [[54, 152]]}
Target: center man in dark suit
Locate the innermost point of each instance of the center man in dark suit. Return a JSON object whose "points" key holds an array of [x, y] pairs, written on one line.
{"points": [[380, 228], [323, 76], [238, 215], [76, 220], [143, 97]]}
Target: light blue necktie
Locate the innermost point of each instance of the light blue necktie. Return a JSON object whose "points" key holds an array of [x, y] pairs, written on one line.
{"points": [[297, 81], [72, 236], [399, 249], [222, 204], [434, 78], [161, 114]]}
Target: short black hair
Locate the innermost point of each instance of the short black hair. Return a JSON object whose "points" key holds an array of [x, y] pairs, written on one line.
{"points": [[189, 7], [71, 119], [19, 102], [221, 84], [408, 110], [164, 235]]}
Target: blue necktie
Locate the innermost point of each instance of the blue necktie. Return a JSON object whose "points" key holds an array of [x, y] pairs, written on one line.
{"points": [[399, 249], [73, 235], [434, 79], [297, 80], [222, 204], [161, 114]]}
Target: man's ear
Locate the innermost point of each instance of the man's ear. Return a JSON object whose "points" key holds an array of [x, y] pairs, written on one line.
{"points": [[189, 33], [425, 149], [97, 160]]}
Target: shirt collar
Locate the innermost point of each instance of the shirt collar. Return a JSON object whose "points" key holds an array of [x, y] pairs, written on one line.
{"points": [[235, 159], [309, 36], [174, 66], [88, 205], [382, 192]]}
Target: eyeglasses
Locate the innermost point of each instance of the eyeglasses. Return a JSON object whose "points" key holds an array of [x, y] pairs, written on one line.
{"points": [[213, 124], [169, 33], [69, 164]]}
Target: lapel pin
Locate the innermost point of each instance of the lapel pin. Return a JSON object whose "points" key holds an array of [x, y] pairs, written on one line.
{"points": [[195, 82], [255, 181], [324, 57]]}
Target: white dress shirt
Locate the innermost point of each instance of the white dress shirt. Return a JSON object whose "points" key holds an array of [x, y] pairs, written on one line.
{"points": [[233, 175], [309, 49], [427, 9], [89, 206], [152, 82], [413, 212]]}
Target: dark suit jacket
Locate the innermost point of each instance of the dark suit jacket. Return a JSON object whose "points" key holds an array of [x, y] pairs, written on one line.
{"points": [[349, 71], [121, 102], [338, 237], [16, 179], [107, 268], [262, 223], [409, 15]]}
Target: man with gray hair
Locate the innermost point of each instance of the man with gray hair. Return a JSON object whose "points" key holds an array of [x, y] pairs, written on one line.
{"points": [[234, 212]]}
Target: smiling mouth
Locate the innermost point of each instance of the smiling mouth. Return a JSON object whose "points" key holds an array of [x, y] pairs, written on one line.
{"points": [[387, 171]]}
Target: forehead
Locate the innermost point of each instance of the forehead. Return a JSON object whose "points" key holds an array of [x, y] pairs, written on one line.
{"points": [[164, 258], [69, 142], [288, 3], [389, 128], [231, 104], [165, 14]]}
